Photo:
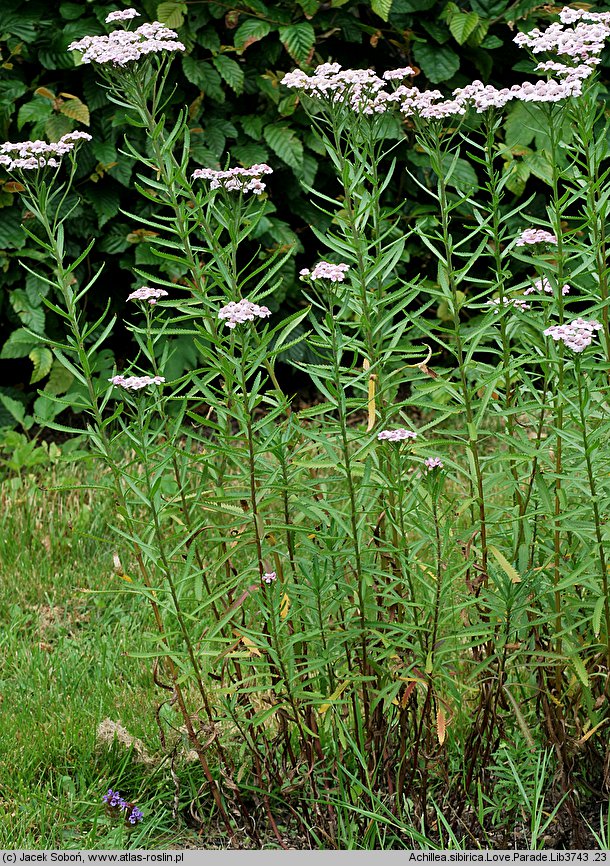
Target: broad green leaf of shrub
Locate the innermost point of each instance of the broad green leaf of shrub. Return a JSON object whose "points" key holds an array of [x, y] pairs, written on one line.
{"points": [[518, 176], [298, 40], [230, 71], [19, 345], [382, 8], [252, 30], [31, 315], [284, 142], [462, 25], [518, 126], [171, 14], [105, 201], [56, 126], [38, 111], [59, 381], [249, 153], [203, 75], [17, 411], [437, 64], [42, 359]]}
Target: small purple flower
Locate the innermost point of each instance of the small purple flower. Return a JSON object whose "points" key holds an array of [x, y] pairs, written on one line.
{"points": [[114, 799], [135, 815], [396, 435], [433, 463], [269, 577]]}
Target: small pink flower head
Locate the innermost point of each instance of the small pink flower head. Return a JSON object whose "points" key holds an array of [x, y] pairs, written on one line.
{"points": [[516, 303], [398, 74], [269, 576], [134, 383], [147, 294], [122, 15], [242, 311], [575, 335], [236, 179], [544, 285], [396, 435], [433, 463], [326, 271], [535, 236]]}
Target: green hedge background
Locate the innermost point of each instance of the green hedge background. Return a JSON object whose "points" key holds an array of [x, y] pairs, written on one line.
{"points": [[230, 79]]}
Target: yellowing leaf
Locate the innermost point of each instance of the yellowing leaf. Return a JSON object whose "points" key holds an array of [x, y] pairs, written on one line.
{"points": [[250, 646], [441, 725], [336, 694], [76, 110], [505, 565], [284, 606], [44, 91]]}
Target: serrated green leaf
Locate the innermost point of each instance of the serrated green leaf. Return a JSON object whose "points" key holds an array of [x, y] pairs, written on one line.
{"points": [[382, 8], [252, 30], [171, 13], [285, 143], [252, 125], [60, 379], [42, 359], [203, 75], [38, 110], [31, 315], [105, 200], [56, 126], [18, 345], [298, 40], [462, 24], [230, 71], [597, 615], [16, 410], [250, 153], [437, 64], [581, 671], [518, 126], [518, 176], [508, 569]]}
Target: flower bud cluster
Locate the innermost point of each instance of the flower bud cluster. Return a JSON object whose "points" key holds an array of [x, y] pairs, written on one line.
{"points": [[236, 179], [326, 271], [396, 435], [242, 311], [269, 577], [535, 236], [134, 383], [147, 294], [125, 46], [433, 463], [38, 154], [575, 335]]}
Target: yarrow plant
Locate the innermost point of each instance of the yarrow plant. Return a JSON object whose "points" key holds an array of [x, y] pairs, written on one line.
{"points": [[333, 614]]}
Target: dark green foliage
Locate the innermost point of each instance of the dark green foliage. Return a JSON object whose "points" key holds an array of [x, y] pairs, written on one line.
{"points": [[230, 80]]}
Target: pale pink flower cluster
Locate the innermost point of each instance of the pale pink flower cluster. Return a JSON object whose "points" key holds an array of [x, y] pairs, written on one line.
{"points": [[122, 15], [535, 236], [544, 285], [428, 104], [269, 576], [134, 383], [433, 463], [360, 89], [38, 154], [576, 335], [326, 271], [396, 435], [242, 311], [125, 46], [516, 303], [236, 179], [147, 294], [582, 42]]}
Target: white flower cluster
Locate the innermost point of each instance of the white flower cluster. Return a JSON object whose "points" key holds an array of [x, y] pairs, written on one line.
{"points": [[268, 577], [242, 311], [236, 179], [38, 154], [364, 92], [326, 271], [145, 293], [396, 435], [544, 285], [516, 303], [125, 46], [134, 383], [575, 335], [535, 236], [122, 15]]}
